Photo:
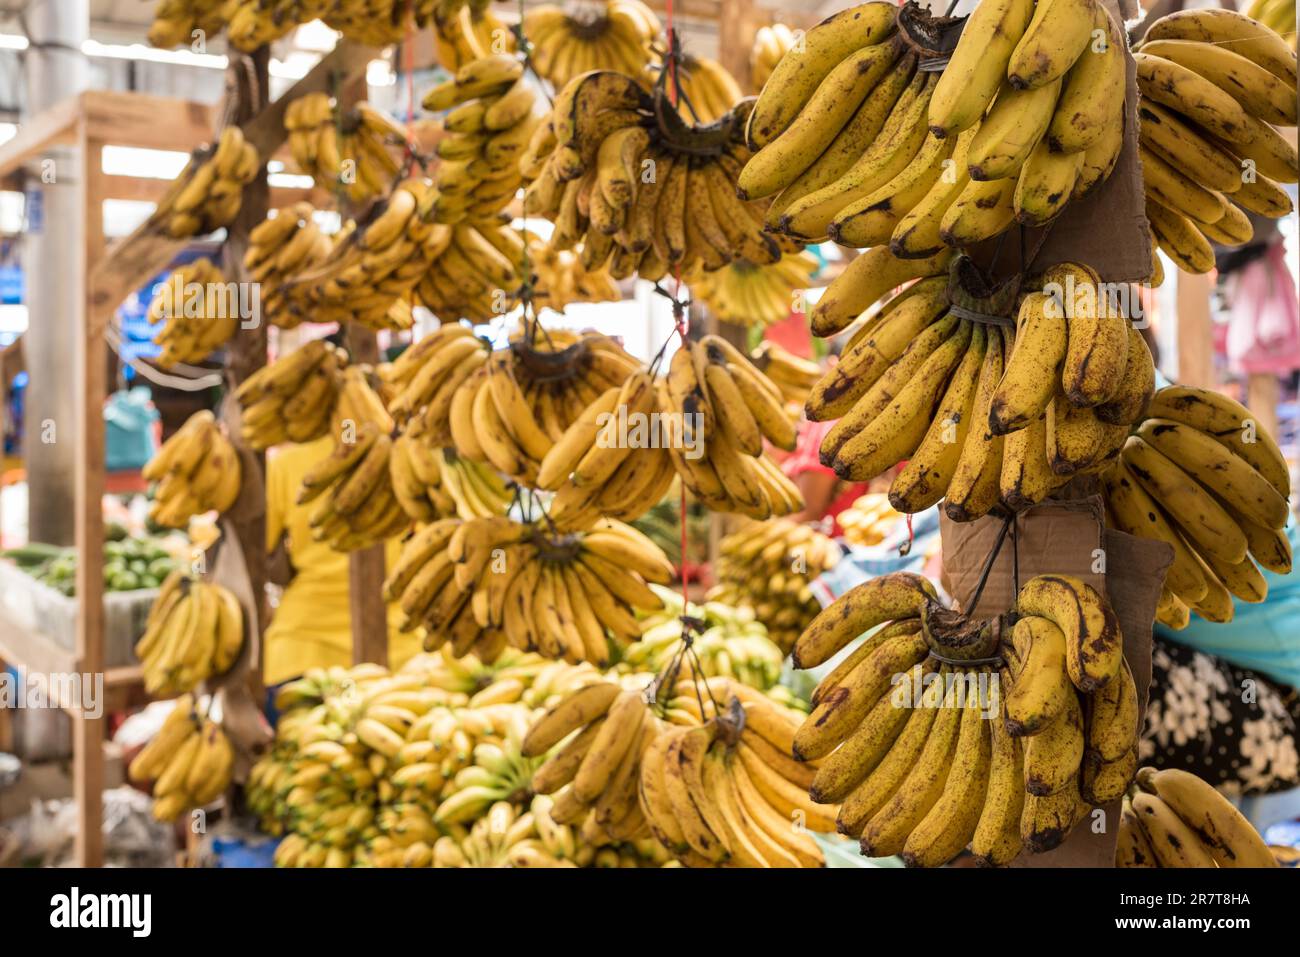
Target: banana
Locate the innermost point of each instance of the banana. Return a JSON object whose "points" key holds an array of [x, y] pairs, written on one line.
{"points": [[1113, 718], [1129, 401], [977, 66], [1133, 847], [1179, 239], [1057, 35], [579, 708], [1259, 92], [1098, 334], [1045, 184], [980, 211], [974, 487], [1178, 192], [1091, 88], [1173, 842], [863, 282], [861, 608], [1014, 126], [1184, 91], [1040, 689], [1046, 821], [1221, 828], [1094, 647], [996, 840], [1239, 33]]}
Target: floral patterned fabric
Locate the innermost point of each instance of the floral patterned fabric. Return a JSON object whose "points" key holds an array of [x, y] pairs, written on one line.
{"points": [[1230, 726]]}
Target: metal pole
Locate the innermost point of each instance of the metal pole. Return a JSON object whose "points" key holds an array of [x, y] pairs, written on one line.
{"points": [[55, 70]]}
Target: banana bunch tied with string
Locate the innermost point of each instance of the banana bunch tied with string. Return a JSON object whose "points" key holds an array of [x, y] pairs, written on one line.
{"points": [[587, 35], [209, 191], [278, 249], [189, 762], [198, 311], [706, 91], [725, 408], [355, 507], [196, 470], [984, 416], [175, 21], [766, 568], [617, 169], [854, 141], [1278, 16], [195, 630], [347, 151], [465, 34], [730, 643], [917, 767], [560, 278], [771, 43], [1172, 818], [1202, 475], [570, 596], [1215, 86], [794, 376], [372, 269], [746, 294], [294, 398]]}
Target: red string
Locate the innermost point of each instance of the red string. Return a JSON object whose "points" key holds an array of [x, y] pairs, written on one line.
{"points": [[679, 317], [911, 537]]}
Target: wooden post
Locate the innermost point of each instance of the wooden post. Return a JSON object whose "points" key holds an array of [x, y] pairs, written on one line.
{"points": [[1262, 397], [1195, 331], [89, 374], [737, 24], [366, 567]]}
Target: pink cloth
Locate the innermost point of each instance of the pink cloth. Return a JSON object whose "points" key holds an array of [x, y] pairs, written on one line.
{"points": [[1264, 328]]}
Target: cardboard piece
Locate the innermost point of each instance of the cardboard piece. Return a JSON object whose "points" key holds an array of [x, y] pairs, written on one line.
{"points": [[1066, 537]]}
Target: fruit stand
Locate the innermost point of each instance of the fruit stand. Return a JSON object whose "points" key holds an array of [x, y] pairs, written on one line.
{"points": [[868, 559]]}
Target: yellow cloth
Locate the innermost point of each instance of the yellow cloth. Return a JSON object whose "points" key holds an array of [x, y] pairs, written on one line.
{"points": [[312, 627]]}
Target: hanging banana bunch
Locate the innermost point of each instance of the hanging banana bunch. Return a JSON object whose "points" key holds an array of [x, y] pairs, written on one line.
{"points": [[198, 310], [432, 482], [196, 470], [1201, 475], [747, 294], [175, 21], [278, 249], [793, 375], [1278, 16], [189, 762], [1214, 86], [355, 507], [771, 43], [293, 399], [590, 35], [195, 630], [463, 35], [560, 278], [209, 191], [344, 151]]}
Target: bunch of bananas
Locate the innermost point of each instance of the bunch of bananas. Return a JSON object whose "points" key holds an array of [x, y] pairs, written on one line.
{"points": [[918, 765], [705, 92], [726, 408], [1200, 474], [1278, 16], [357, 507], [981, 414], [293, 399], [345, 152], [372, 268], [1172, 818], [425, 377], [195, 629], [868, 520], [209, 191], [376, 23], [480, 272], [617, 169], [197, 470], [565, 595], [730, 642], [466, 33], [1214, 85], [583, 36], [767, 567], [771, 43], [175, 21], [747, 294], [854, 140], [278, 249], [561, 278], [195, 305], [432, 482], [189, 762], [793, 375], [486, 133]]}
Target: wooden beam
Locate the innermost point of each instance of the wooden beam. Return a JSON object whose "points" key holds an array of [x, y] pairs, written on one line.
{"points": [[21, 646], [1195, 331], [1263, 394], [369, 615], [56, 126], [140, 120], [737, 23]]}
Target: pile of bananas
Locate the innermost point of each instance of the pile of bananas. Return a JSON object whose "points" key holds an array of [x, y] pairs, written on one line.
{"points": [[197, 470], [293, 399], [1214, 85], [372, 268], [493, 119], [357, 507], [1278, 16], [1172, 818], [343, 152], [1200, 474], [209, 191], [197, 309], [730, 640], [432, 482], [523, 584], [278, 249], [590, 35], [189, 762], [726, 408], [767, 567], [771, 43], [174, 21], [984, 416], [711, 788], [195, 629], [920, 769], [747, 294], [618, 170], [560, 277], [852, 138], [868, 520], [793, 375], [704, 90], [463, 33]]}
